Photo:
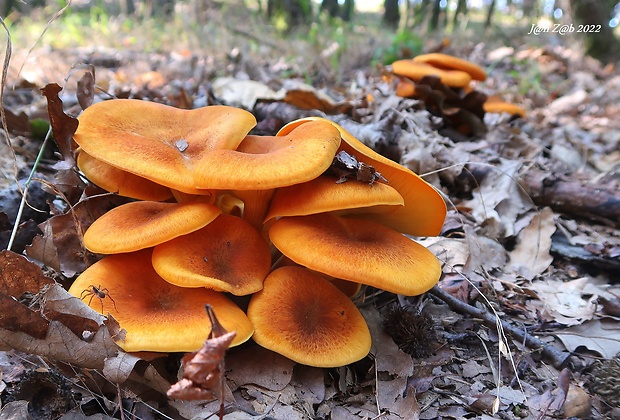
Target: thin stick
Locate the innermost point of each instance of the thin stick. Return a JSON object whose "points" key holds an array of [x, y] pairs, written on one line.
{"points": [[557, 357]]}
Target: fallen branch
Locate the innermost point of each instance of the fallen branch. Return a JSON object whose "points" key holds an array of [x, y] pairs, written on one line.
{"points": [[568, 195], [555, 356]]}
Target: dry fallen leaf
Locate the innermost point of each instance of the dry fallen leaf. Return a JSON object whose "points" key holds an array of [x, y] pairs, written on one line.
{"points": [[261, 367], [563, 301], [60, 247], [531, 255], [600, 336], [86, 87], [499, 201], [203, 370]]}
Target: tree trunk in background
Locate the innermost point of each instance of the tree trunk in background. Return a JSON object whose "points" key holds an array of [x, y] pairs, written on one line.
{"points": [[461, 9], [435, 17], [335, 9], [601, 44], [531, 9], [420, 12], [297, 12], [487, 23], [331, 7], [128, 7], [391, 14], [347, 10]]}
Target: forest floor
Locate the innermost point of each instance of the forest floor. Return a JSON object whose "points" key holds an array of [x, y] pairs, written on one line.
{"points": [[525, 317]]}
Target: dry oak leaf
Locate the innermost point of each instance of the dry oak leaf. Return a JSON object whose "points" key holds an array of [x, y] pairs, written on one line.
{"points": [[202, 370]]}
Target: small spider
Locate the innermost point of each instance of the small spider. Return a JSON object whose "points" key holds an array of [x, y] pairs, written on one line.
{"points": [[99, 292]]}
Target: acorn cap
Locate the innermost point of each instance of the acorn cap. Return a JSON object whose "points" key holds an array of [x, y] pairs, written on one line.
{"points": [[264, 162], [357, 250], [227, 255], [424, 211], [159, 142], [156, 315], [304, 317], [144, 224]]}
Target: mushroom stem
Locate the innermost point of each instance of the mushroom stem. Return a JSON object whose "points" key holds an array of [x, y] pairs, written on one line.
{"points": [[256, 205]]}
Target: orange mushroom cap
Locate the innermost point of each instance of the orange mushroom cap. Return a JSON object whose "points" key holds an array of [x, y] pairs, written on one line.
{"points": [[424, 211], [494, 105], [144, 224], [263, 162], [324, 194], [446, 61], [157, 315], [357, 250], [416, 71], [304, 317], [228, 254], [405, 88], [159, 142], [122, 182], [349, 288]]}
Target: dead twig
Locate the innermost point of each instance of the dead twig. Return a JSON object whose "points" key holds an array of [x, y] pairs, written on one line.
{"points": [[555, 356]]}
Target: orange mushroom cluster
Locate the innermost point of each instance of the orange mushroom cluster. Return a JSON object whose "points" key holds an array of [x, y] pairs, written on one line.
{"points": [[215, 207], [453, 72]]}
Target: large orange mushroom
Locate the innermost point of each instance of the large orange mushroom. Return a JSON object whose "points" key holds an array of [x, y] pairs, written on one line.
{"points": [[424, 209], [304, 317], [156, 315], [357, 250], [159, 142]]}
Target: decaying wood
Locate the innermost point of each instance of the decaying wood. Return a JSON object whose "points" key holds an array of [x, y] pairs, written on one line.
{"points": [[564, 193], [555, 356], [569, 195]]}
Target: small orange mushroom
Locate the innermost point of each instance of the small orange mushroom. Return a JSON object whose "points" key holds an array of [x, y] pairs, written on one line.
{"points": [[424, 211], [159, 142], [450, 62], [416, 71], [157, 315], [494, 105], [304, 317], [228, 254], [144, 224], [357, 250], [405, 88]]}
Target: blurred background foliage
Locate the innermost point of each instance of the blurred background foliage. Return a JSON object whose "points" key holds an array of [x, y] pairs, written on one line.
{"points": [[403, 22]]}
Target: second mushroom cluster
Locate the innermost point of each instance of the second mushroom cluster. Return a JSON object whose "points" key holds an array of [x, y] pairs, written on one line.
{"points": [[297, 220], [449, 78]]}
